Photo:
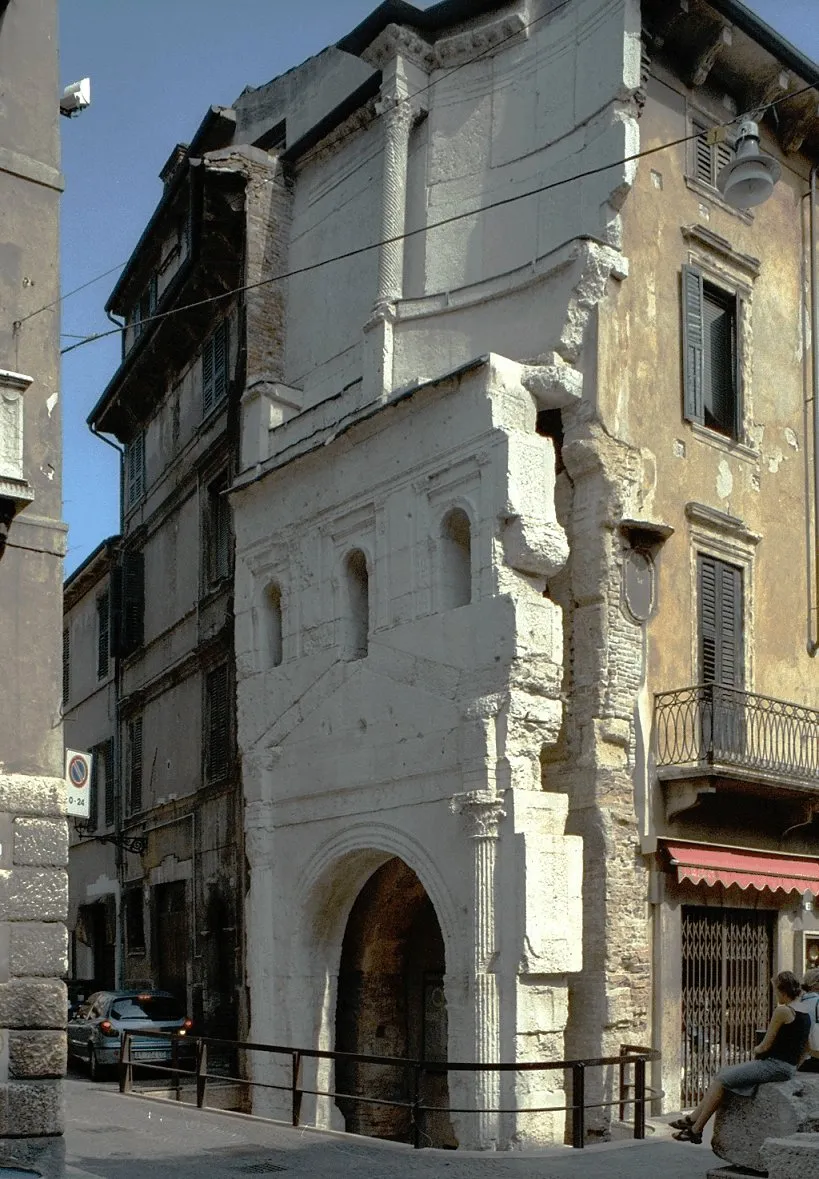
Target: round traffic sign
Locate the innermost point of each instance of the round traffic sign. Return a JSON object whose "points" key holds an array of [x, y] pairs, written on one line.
{"points": [[78, 771]]}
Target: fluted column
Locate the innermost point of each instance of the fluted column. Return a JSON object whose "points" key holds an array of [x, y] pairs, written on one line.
{"points": [[397, 118], [483, 812]]}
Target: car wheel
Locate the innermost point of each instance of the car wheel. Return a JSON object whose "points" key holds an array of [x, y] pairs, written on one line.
{"points": [[94, 1067]]}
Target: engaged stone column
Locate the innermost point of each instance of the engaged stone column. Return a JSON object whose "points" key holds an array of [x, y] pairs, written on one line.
{"points": [[483, 812], [397, 117]]}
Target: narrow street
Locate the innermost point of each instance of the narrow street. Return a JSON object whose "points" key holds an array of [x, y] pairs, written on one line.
{"points": [[109, 1136]]}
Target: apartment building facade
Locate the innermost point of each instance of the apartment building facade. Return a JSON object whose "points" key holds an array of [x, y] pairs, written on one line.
{"points": [[33, 842], [89, 724]]}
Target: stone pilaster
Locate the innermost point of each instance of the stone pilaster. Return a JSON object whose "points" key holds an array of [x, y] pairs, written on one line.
{"points": [[483, 811]]}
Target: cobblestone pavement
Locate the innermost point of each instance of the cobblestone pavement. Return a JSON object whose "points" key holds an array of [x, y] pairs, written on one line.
{"points": [[110, 1136]]}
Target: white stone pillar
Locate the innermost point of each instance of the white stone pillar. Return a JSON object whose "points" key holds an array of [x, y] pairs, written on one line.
{"points": [[397, 119], [483, 812]]}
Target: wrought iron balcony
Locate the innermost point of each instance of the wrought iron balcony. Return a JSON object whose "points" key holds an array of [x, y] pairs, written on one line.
{"points": [[711, 731]]}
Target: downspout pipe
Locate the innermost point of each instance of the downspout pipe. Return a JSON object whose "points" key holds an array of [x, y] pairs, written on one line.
{"points": [[813, 642]]}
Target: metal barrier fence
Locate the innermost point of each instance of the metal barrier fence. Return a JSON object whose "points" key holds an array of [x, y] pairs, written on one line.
{"points": [[631, 1062]]}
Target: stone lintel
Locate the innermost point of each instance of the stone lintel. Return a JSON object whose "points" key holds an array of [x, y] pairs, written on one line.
{"points": [[553, 384]]}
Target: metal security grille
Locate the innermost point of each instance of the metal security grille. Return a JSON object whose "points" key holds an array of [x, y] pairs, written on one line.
{"points": [[726, 993]]}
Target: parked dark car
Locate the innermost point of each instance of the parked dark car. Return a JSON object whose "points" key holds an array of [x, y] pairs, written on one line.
{"points": [[95, 1032]]}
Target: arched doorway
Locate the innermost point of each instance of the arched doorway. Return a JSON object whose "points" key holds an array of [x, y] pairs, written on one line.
{"points": [[391, 1002]]}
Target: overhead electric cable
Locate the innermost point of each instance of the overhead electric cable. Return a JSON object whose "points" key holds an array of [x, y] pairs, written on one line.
{"points": [[19, 322], [359, 250]]}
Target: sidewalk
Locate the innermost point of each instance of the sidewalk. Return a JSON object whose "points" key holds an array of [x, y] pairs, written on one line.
{"points": [[110, 1136]]}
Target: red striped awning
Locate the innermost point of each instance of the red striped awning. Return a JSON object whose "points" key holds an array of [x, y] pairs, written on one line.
{"points": [[748, 869]]}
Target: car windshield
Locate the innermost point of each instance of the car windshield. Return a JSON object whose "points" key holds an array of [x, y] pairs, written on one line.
{"points": [[155, 1007]]}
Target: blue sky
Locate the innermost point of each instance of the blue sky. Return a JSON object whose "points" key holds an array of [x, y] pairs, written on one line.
{"points": [[155, 67]]}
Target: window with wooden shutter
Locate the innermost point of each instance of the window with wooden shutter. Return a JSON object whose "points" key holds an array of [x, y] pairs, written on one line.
{"points": [[708, 158], [103, 634], [710, 319], [217, 724], [135, 470], [107, 751], [720, 622], [215, 369], [97, 779], [133, 768]]}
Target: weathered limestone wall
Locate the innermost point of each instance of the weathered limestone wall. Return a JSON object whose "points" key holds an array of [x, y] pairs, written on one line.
{"points": [[33, 902], [426, 748]]}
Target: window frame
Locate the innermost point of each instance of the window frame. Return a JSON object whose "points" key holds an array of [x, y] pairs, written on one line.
{"points": [[217, 528]]}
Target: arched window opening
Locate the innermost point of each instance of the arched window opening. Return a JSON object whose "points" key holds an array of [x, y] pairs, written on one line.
{"points": [[456, 560], [358, 606], [273, 612]]}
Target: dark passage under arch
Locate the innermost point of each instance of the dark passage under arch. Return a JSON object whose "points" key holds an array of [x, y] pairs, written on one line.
{"points": [[391, 1002]]}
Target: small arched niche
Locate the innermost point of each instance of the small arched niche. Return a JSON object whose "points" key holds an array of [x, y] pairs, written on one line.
{"points": [[356, 605], [456, 560], [273, 625]]}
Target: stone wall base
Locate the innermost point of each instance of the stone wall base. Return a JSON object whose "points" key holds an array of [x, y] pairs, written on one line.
{"points": [[43, 1156], [732, 1173]]}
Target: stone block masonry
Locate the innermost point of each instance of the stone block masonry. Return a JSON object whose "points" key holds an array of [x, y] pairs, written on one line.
{"points": [[33, 943]]}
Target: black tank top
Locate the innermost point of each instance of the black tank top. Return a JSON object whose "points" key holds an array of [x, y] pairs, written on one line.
{"points": [[791, 1039]]}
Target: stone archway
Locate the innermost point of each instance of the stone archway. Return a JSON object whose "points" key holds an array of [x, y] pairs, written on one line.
{"points": [[391, 1002]]}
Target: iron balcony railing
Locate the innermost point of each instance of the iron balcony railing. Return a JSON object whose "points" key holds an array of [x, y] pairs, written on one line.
{"points": [[710, 725]]}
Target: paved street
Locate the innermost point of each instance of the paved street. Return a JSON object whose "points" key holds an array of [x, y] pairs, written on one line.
{"points": [[114, 1137]]}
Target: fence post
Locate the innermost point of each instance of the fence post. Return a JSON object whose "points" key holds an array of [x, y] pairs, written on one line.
{"points": [[175, 1065], [201, 1072], [622, 1084], [126, 1077], [416, 1107], [578, 1105], [295, 1088], [640, 1097]]}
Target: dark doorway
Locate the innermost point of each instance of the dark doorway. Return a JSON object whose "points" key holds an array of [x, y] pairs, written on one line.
{"points": [[727, 962], [391, 1002], [96, 927], [172, 938]]}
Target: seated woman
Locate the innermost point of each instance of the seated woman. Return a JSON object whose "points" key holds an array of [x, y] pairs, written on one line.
{"points": [[777, 1056]]}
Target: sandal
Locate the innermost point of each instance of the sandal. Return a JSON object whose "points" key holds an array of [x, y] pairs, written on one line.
{"points": [[683, 1123], [689, 1134]]}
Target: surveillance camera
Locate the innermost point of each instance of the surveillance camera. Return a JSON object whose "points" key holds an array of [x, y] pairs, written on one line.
{"points": [[76, 98]]}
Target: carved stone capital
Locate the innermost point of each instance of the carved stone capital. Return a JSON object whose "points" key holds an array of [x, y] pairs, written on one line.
{"points": [[482, 811], [400, 40], [397, 113]]}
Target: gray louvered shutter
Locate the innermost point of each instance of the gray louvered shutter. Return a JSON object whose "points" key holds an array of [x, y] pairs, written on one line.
{"points": [[217, 748], [133, 606], [135, 765], [720, 594], [103, 634], [693, 343], [220, 361], [94, 789], [110, 781], [208, 399]]}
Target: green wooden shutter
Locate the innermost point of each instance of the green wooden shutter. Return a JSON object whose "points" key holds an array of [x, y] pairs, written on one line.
{"points": [[66, 666], [720, 594], [693, 343], [94, 789]]}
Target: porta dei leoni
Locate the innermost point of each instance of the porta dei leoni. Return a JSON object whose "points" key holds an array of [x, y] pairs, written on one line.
{"points": [[463, 624]]}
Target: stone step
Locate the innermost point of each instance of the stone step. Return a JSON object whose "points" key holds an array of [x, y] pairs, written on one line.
{"points": [[794, 1157]]}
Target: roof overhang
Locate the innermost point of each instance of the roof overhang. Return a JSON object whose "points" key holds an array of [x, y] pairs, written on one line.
{"points": [[743, 867]]}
